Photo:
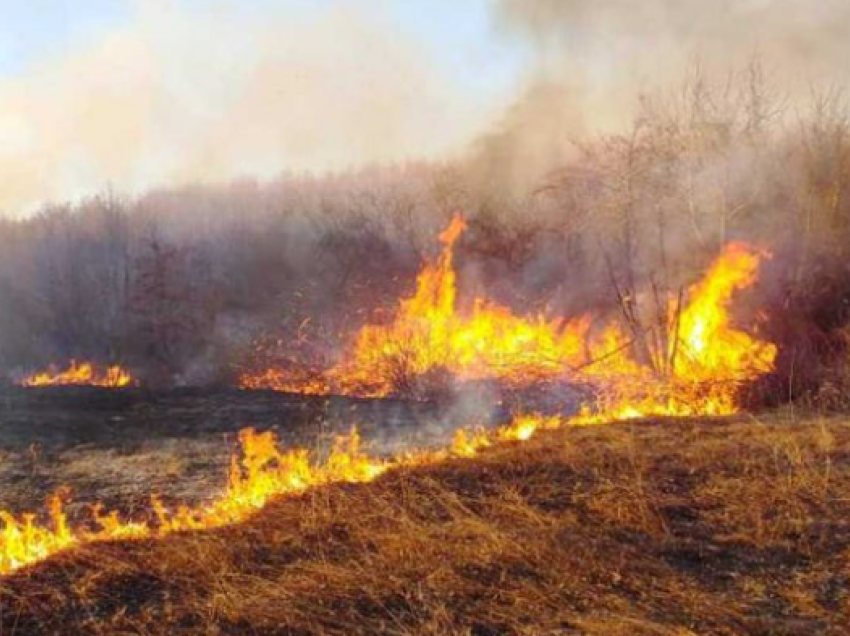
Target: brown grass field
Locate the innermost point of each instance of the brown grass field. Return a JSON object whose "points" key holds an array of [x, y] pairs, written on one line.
{"points": [[729, 527]]}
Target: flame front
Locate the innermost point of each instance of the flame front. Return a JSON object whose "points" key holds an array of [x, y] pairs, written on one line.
{"points": [[711, 346], [81, 374], [430, 336], [259, 472], [696, 368], [707, 358]]}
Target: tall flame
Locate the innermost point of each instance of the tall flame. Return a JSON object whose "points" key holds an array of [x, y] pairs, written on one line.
{"points": [[430, 337], [711, 346], [710, 358], [431, 341]]}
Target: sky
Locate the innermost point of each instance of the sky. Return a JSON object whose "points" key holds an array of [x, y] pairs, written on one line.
{"points": [[463, 39], [134, 94], [138, 94], [35, 30]]}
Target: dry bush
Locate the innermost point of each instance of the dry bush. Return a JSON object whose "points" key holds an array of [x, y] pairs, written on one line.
{"points": [[833, 390]]}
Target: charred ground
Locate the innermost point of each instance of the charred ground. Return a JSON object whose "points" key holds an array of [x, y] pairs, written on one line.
{"points": [[675, 527], [119, 447]]}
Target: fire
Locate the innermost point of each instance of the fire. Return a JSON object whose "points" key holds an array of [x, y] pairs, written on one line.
{"points": [[286, 381], [260, 472], [82, 374], [708, 359], [524, 427], [711, 346], [693, 364], [431, 340]]}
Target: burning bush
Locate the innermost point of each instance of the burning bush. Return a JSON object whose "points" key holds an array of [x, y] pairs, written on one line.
{"points": [[689, 360]]}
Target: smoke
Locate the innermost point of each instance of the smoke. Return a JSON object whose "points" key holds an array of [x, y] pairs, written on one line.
{"points": [[612, 48], [177, 96], [180, 95], [593, 59]]}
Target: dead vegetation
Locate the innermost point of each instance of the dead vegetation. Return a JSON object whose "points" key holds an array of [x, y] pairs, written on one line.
{"points": [[689, 527]]}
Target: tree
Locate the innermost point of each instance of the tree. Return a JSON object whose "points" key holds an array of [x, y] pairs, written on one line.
{"points": [[164, 325]]}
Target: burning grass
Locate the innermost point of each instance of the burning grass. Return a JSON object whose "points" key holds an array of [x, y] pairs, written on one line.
{"points": [[728, 527], [259, 473], [81, 374], [687, 359]]}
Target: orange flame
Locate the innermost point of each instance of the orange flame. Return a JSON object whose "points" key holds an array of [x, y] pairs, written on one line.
{"points": [[259, 473], [708, 359], [711, 346], [83, 374], [429, 337], [431, 341]]}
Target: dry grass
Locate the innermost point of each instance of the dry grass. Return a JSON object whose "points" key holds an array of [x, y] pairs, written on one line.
{"points": [[680, 528]]}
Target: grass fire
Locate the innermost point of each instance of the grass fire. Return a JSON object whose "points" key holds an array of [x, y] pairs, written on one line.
{"points": [[517, 317], [693, 359], [83, 374]]}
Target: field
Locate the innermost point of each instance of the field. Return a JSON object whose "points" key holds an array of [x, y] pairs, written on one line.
{"points": [[119, 447], [508, 317], [727, 526]]}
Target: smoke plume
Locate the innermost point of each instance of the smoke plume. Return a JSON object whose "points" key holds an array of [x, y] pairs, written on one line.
{"points": [[593, 59], [178, 95]]}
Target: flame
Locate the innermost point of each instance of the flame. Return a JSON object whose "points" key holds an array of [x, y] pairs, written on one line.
{"points": [[698, 369], [430, 339], [82, 374], [711, 345], [695, 369], [286, 381], [259, 472], [710, 358]]}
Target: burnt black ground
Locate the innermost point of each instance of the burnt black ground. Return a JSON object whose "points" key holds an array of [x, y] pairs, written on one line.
{"points": [[119, 446]]}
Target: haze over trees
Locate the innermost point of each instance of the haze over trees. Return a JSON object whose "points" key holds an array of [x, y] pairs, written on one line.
{"points": [[180, 284]]}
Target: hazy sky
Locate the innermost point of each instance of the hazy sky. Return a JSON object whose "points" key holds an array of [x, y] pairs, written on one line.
{"points": [[135, 94], [139, 93], [463, 39], [34, 30]]}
